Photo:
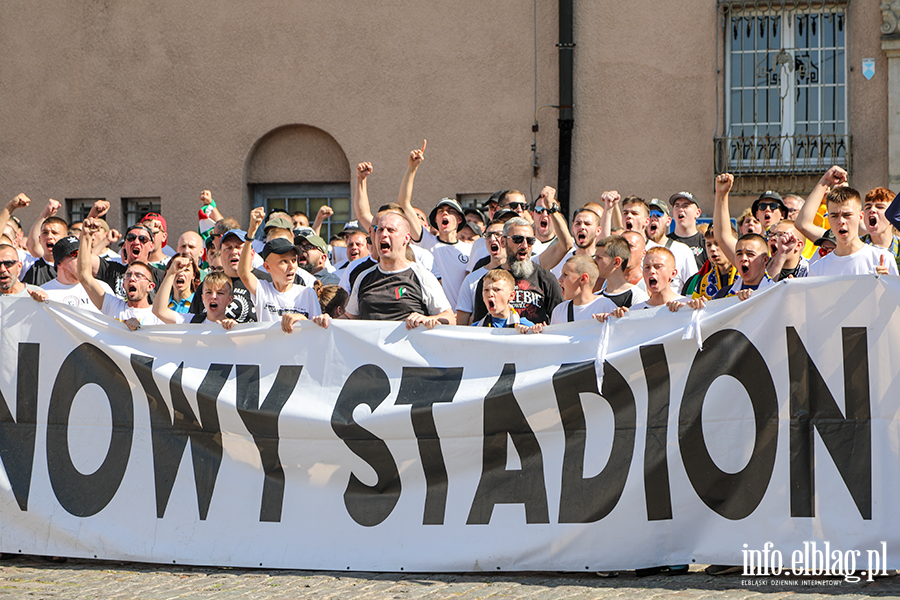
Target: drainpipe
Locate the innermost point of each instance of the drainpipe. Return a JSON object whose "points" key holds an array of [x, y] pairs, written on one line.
{"points": [[566, 47]]}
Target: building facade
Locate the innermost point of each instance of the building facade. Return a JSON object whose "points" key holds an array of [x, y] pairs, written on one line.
{"points": [[274, 103]]}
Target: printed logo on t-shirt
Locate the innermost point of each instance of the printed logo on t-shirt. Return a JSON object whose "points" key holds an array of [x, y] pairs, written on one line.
{"points": [[399, 291], [463, 258], [280, 311]]}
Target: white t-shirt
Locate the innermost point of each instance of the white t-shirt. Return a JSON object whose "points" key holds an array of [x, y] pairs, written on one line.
{"points": [[27, 260], [117, 308], [466, 299], [557, 270], [646, 303], [861, 262], [182, 318], [685, 263], [73, 295], [450, 262], [272, 304], [600, 304]]}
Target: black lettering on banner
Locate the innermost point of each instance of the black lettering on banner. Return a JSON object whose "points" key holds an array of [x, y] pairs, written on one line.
{"points": [[170, 432], [503, 419], [262, 423], [732, 495], [17, 436], [847, 439], [656, 463], [82, 494], [367, 505], [588, 500], [422, 388]]}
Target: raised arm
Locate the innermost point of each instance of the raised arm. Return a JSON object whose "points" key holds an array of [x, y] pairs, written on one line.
{"points": [[20, 201], [361, 207], [805, 222], [612, 213], [86, 260], [555, 253], [99, 209], [722, 217], [161, 302], [245, 265], [323, 213], [32, 244], [207, 200], [406, 187]]}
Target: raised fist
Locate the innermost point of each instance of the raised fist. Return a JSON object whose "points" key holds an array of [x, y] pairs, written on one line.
{"points": [[724, 182], [20, 201], [363, 170], [206, 197]]}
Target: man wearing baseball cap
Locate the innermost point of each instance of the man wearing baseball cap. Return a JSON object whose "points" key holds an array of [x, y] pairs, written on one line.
{"points": [[66, 287], [685, 212], [313, 258], [655, 231], [156, 223]]}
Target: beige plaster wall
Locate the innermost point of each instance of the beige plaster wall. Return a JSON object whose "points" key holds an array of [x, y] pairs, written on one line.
{"points": [[129, 99], [134, 99]]}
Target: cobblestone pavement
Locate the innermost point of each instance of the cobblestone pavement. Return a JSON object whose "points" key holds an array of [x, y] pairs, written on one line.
{"points": [[32, 577]]}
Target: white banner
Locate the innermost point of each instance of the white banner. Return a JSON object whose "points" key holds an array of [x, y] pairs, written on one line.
{"points": [[369, 447]]}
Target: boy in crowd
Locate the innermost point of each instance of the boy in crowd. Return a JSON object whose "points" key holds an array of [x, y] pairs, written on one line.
{"points": [[137, 282], [396, 288], [686, 211], [537, 292], [879, 232], [749, 253], [278, 299], [579, 275], [66, 288], [498, 289], [659, 270], [493, 241], [216, 298], [241, 308], [851, 255], [613, 255], [721, 272]]}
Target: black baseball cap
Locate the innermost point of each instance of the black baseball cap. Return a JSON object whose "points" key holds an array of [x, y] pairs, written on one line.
{"points": [[64, 247], [277, 246]]}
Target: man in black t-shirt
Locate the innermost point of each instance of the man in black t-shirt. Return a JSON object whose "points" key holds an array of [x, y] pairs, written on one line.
{"points": [[397, 288], [138, 245], [685, 212], [537, 290]]}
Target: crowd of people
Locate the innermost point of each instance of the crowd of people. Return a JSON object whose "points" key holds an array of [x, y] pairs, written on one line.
{"points": [[509, 263]]}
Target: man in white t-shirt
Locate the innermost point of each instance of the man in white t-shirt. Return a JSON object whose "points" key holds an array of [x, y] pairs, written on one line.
{"points": [[851, 256], [66, 288], [137, 282]]}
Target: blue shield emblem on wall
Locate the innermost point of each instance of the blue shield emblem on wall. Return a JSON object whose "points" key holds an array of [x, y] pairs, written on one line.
{"points": [[868, 67]]}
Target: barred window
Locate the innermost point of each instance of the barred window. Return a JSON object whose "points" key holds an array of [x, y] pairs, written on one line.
{"points": [[786, 88], [309, 198]]}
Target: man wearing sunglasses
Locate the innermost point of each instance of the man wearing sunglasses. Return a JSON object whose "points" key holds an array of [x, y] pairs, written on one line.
{"points": [[10, 286], [768, 209], [537, 292], [138, 245]]}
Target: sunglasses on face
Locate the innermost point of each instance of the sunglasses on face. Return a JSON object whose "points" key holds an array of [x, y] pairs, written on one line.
{"points": [[141, 238], [768, 206], [517, 206], [518, 239], [657, 213], [541, 209], [8, 264]]}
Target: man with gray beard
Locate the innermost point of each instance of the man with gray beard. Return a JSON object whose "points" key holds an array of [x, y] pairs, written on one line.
{"points": [[537, 292]]}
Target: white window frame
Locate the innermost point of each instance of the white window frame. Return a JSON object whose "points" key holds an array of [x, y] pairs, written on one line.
{"points": [[756, 155]]}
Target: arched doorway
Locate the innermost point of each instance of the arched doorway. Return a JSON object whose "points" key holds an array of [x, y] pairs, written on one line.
{"points": [[301, 168]]}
